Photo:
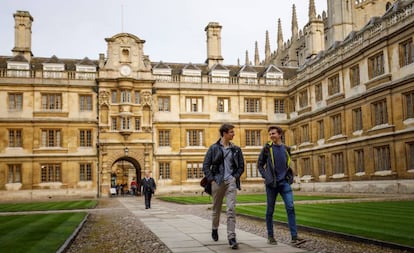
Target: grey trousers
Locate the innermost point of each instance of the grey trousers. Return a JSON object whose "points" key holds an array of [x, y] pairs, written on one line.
{"points": [[229, 190]]}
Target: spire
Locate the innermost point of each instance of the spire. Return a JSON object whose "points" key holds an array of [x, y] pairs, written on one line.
{"points": [[294, 23], [312, 10], [247, 58], [279, 35], [256, 55], [267, 49]]}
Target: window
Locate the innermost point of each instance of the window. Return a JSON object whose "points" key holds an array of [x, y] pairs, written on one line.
{"points": [[223, 104], [194, 104], [306, 169], [357, 117], [295, 136], [251, 169], [292, 104], [114, 96], [85, 172], [333, 85], [305, 133], [279, 105], [409, 105], [164, 170], [336, 124], [406, 52], [253, 138], [164, 138], [15, 138], [194, 170], [51, 138], [14, 174], [376, 65], [303, 98], [137, 123], [50, 173], [85, 103], [51, 102], [382, 159], [354, 76], [15, 101], [318, 92], [125, 123], [114, 123], [195, 137], [410, 156], [380, 112], [137, 97], [163, 104], [322, 165], [338, 163], [252, 105], [321, 130], [359, 161], [125, 96], [85, 137]]}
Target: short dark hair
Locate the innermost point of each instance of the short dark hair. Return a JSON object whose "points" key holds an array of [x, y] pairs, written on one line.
{"points": [[278, 129], [225, 128]]}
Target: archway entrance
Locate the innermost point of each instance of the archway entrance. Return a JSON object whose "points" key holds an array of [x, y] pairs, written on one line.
{"points": [[124, 171]]}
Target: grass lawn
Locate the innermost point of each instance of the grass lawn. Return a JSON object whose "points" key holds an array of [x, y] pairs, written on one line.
{"points": [[37, 232], [241, 198], [391, 221], [43, 206]]}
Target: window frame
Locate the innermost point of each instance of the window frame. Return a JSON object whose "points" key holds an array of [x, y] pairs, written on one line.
{"points": [[376, 65], [15, 101], [164, 104], [85, 172], [85, 102]]}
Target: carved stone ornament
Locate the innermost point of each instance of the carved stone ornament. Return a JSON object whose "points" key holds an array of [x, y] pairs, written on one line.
{"points": [[104, 97], [146, 98]]}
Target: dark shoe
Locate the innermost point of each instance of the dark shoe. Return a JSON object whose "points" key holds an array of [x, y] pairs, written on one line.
{"points": [[233, 243], [271, 240], [297, 240], [214, 235]]}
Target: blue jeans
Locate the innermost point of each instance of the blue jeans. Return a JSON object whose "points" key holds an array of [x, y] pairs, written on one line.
{"points": [[284, 189]]}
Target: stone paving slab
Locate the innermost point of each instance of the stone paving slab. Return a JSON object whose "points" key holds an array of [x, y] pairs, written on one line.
{"points": [[190, 233]]}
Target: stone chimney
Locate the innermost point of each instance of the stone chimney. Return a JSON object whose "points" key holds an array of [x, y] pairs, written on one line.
{"points": [[213, 31], [23, 34]]}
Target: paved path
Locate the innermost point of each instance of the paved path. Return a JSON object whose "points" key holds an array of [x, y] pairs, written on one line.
{"points": [[190, 233]]}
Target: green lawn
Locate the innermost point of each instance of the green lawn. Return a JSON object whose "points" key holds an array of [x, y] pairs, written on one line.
{"points": [[241, 198], [40, 232], [37, 232], [391, 221], [43, 206]]}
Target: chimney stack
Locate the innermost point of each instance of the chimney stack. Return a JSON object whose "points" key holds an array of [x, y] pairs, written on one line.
{"points": [[23, 34], [213, 31]]}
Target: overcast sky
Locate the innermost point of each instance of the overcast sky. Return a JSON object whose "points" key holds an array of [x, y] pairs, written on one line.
{"points": [[173, 29]]}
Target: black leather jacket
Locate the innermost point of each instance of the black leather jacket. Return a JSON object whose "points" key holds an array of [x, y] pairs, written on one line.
{"points": [[214, 157]]}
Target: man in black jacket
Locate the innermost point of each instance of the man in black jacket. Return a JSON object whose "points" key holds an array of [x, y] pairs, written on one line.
{"points": [[148, 188], [223, 165]]}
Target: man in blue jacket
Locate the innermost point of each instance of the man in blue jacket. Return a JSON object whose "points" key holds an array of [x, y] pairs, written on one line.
{"points": [[273, 164], [223, 165]]}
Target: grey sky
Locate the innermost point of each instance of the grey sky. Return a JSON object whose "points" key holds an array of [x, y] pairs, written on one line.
{"points": [[173, 29]]}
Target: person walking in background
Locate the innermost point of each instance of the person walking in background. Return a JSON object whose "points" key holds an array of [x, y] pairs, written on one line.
{"points": [[134, 187], [148, 188], [223, 165], [273, 163]]}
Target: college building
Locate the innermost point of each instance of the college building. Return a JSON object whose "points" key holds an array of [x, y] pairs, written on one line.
{"points": [[342, 88]]}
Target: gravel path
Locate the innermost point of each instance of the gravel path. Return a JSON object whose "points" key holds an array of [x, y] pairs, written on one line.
{"points": [[113, 228]]}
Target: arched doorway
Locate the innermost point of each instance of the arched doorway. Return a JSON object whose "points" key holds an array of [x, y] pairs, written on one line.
{"points": [[124, 171]]}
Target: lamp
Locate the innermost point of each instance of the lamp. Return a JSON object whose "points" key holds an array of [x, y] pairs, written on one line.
{"points": [[126, 150]]}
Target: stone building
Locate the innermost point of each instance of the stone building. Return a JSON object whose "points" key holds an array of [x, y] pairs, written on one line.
{"points": [[342, 88]]}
